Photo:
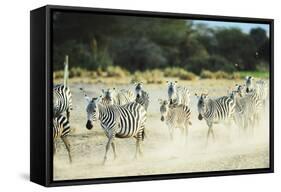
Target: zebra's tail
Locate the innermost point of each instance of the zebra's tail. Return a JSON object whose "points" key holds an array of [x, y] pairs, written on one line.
{"points": [[65, 76]]}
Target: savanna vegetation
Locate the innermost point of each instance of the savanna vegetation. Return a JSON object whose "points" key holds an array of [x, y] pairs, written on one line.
{"points": [[151, 49]]}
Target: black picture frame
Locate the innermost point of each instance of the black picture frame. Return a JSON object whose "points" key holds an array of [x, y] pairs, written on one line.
{"points": [[41, 85]]}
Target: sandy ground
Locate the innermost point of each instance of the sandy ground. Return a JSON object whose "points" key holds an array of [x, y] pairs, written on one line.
{"points": [[232, 148]]}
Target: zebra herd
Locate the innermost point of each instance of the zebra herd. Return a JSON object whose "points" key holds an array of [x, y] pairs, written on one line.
{"points": [[123, 113]]}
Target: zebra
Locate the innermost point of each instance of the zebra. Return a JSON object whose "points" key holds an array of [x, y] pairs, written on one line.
{"points": [[260, 85], [62, 98], [114, 97], [214, 110], [142, 96], [61, 129], [118, 121], [239, 89], [248, 105], [178, 94], [242, 109], [263, 91], [177, 116], [257, 93]]}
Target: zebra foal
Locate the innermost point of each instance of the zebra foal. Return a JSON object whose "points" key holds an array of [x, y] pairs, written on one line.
{"points": [[177, 116]]}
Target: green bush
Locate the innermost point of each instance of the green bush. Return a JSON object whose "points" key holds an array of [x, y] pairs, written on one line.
{"points": [[172, 71], [58, 74], [187, 76], [154, 76], [179, 72], [222, 75], [116, 71], [205, 74], [236, 75], [77, 72]]}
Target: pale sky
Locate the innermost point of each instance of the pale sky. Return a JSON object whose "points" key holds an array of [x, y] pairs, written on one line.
{"points": [[245, 27]]}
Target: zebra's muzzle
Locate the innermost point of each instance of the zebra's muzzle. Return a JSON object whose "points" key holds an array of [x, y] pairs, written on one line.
{"points": [[162, 118], [89, 125], [200, 117]]}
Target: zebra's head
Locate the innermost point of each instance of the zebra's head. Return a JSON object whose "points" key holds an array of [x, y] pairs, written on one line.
{"points": [[92, 112], [201, 105], [233, 95], [172, 90], [249, 83], [138, 89], [108, 95], [164, 107], [239, 89]]}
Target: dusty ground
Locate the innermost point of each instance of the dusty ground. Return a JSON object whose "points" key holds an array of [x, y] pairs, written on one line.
{"points": [[232, 149]]}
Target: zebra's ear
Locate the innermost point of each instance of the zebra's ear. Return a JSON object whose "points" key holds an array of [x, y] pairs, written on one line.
{"points": [[87, 98], [96, 99], [246, 78]]}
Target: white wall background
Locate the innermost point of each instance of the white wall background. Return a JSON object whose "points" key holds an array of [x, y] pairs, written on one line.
{"points": [[14, 102]]}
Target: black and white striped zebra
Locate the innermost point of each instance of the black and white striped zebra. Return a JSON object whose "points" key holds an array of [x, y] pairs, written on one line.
{"points": [[117, 97], [256, 92], [62, 98], [117, 121], [177, 116], [178, 94], [142, 96], [214, 110], [260, 87], [241, 109], [61, 129]]}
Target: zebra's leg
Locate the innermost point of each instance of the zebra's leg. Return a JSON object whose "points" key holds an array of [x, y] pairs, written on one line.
{"points": [[186, 134], [210, 131], [213, 134], [67, 146], [54, 148], [139, 151], [138, 148], [114, 149], [171, 132], [68, 114], [110, 139]]}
